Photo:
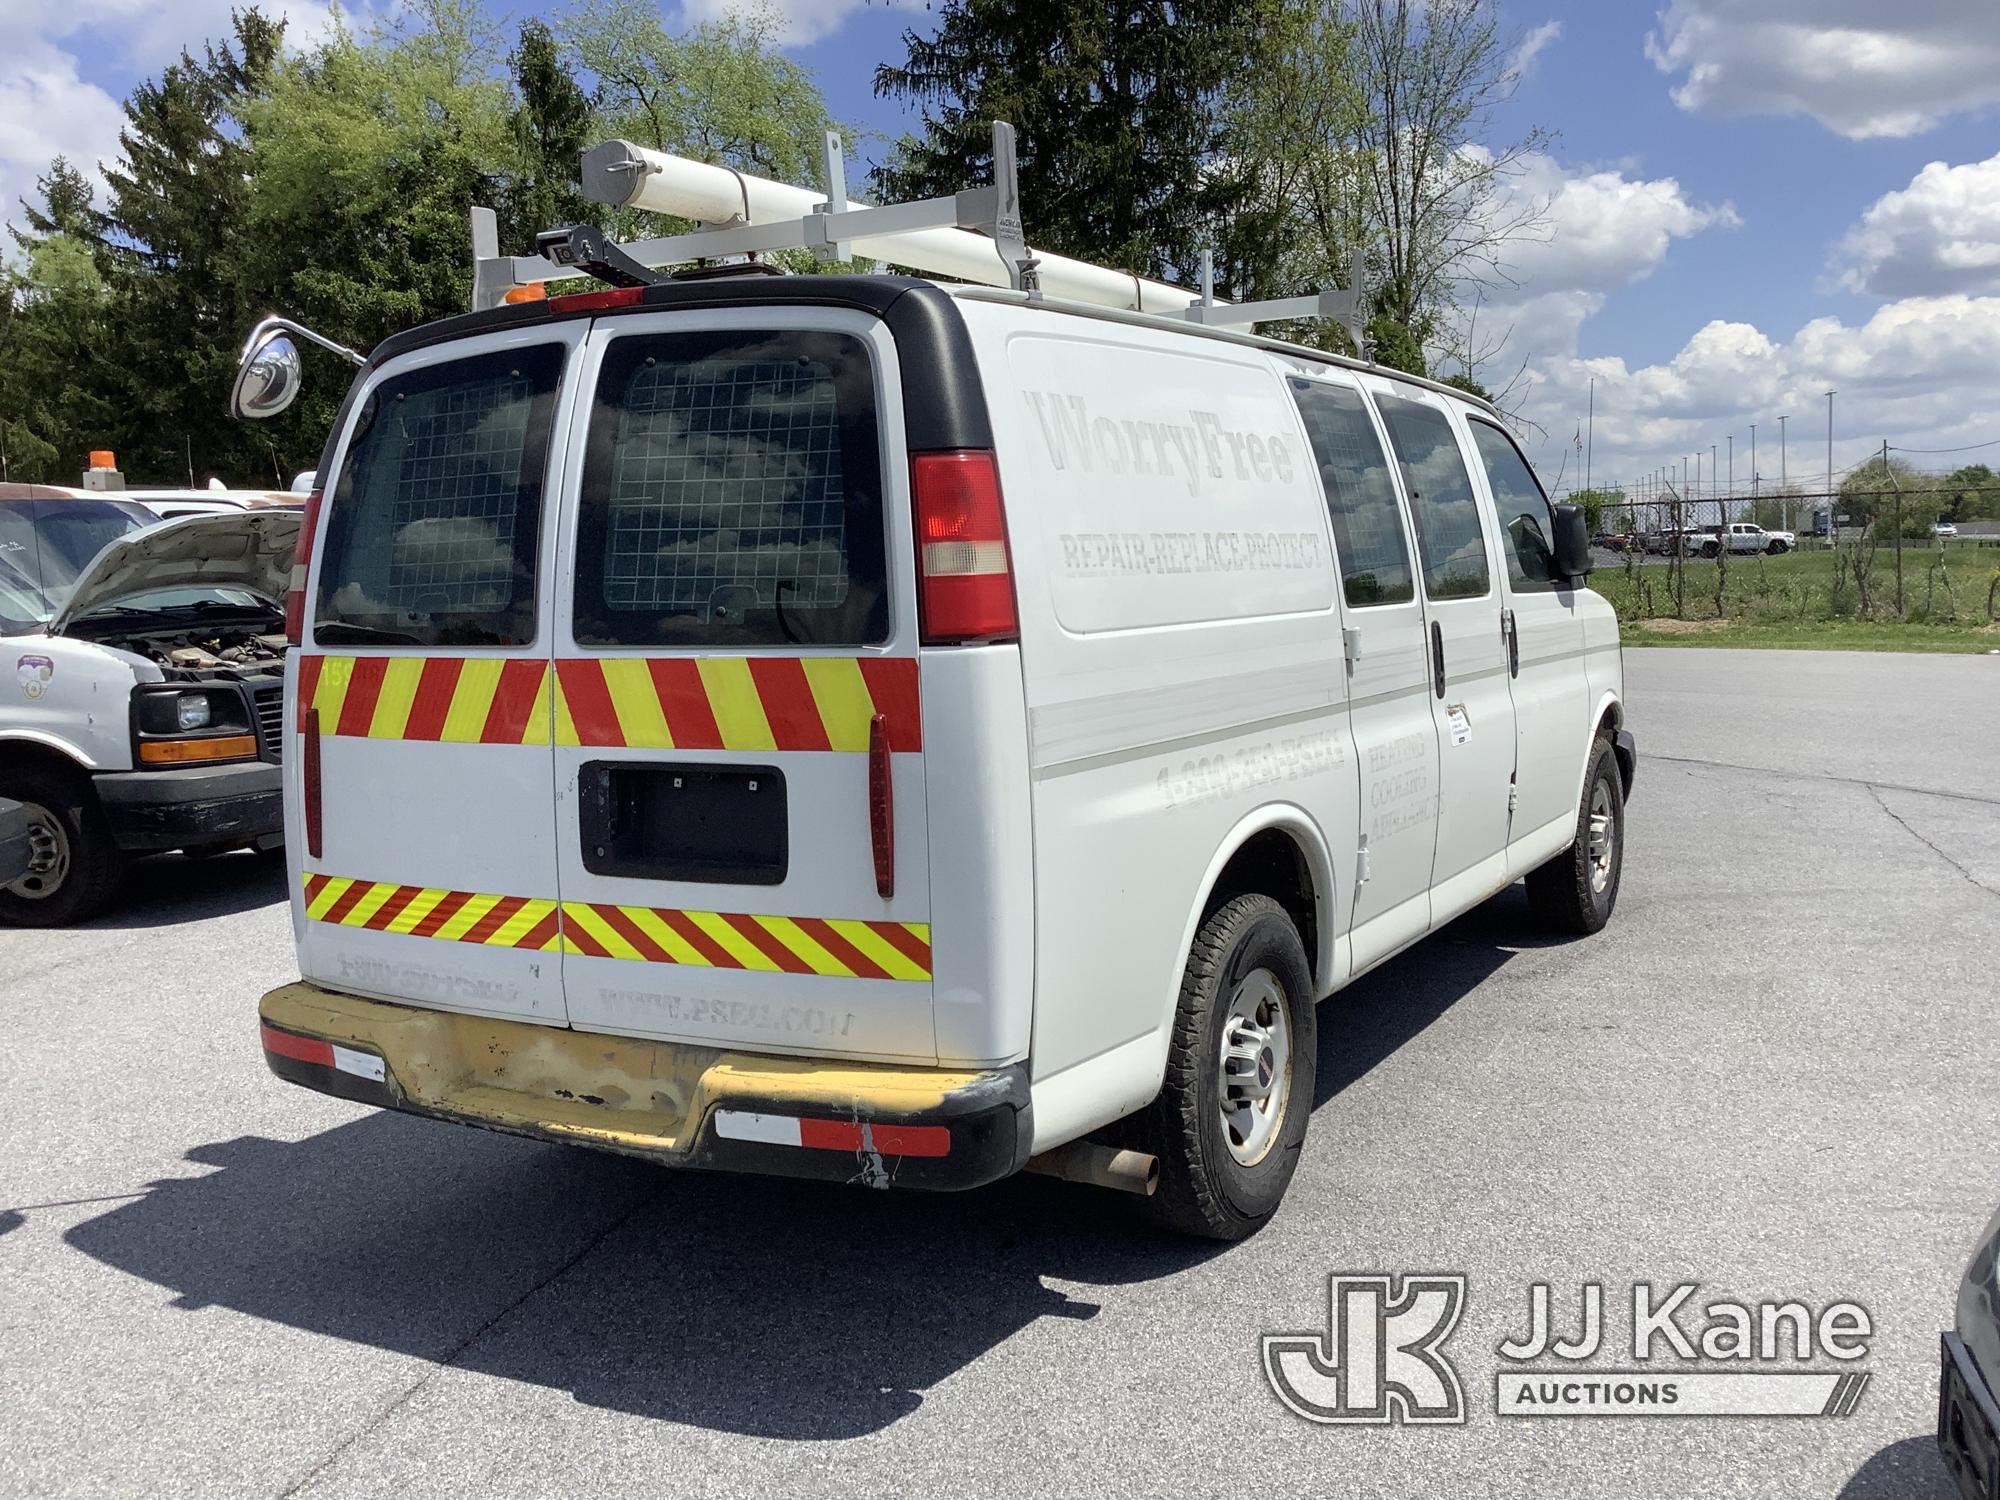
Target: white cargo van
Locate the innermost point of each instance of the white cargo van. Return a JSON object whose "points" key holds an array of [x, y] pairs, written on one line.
{"points": [[851, 727]]}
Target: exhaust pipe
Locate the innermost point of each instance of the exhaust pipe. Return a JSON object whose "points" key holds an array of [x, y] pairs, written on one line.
{"points": [[1100, 1166]]}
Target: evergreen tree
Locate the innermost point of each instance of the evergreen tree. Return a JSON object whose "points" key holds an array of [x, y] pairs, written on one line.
{"points": [[172, 240], [57, 336], [1120, 109], [551, 125]]}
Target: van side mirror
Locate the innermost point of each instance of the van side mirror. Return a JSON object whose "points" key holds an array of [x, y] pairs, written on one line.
{"points": [[267, 378], [267, 372], [1572, 539]]}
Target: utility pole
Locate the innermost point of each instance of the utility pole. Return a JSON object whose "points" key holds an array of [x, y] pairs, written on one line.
{"points": [[1753, 470], [1732, 466], [1832, 525], [1590, 426], [1715, 481], [1899, 527], [1782, 480]]}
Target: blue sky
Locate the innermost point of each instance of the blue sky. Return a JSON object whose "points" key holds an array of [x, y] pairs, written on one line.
{"points": [[1748, 201]]}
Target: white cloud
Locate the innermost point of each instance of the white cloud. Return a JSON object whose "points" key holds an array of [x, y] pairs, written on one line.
{"points": [[1531, 47], [1919, 372], [1939, 234], [47, 106], [46, 110], [796, 23], [1859, 67], [1602, 230]]}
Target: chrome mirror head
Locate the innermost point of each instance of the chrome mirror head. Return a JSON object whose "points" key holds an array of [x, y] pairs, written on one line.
{"points": [[268, 379]]}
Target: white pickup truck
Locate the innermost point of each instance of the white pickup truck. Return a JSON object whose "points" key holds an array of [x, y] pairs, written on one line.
{"points": [[1739, 536]]}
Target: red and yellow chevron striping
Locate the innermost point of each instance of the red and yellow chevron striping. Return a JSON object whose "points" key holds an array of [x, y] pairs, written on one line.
{"points": [[424, 911], [665, 703], [831, 947]]}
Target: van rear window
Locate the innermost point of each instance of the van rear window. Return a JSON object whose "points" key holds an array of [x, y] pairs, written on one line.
{"points": [[732, 493], [434, 525]]}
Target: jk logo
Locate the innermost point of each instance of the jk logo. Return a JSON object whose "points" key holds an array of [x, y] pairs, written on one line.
{"points": [[1379, 1360]]}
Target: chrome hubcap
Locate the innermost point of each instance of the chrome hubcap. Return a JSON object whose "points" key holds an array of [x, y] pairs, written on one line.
{"points": [[1256, 1066], [48, 855], [1603, 837]]}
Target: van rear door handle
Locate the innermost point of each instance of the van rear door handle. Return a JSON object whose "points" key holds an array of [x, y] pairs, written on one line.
{"points": [[1437, 658]]}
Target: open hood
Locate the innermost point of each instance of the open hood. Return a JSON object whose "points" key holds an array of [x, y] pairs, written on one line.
{"points": [[246, 550]]}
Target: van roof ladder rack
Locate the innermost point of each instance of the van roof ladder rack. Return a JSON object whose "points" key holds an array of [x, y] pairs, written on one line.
{"points": [[972, 235]]}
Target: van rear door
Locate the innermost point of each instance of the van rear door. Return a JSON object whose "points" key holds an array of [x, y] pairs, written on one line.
{"points": [[420, 781], [740, 783]]}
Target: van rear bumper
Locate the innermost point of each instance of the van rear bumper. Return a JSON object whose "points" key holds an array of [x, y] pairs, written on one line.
{"points": [[677, 1104]]}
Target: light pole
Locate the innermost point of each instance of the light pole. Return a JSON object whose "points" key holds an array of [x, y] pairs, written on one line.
{"points": [[1831, 532], [1782, 480], [1732, 467], [1753, 470]]}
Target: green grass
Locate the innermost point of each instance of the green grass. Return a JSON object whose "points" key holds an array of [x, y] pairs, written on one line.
{"points": [[1792, 601], [1813, 635]]}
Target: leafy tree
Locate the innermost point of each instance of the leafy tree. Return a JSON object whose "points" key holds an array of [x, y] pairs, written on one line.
{"points": [[371, 152], [1433, 76], [1122, 109], [720, 92], [1286, 114], [1597, 504], [1891, 496], [1971, 493]]}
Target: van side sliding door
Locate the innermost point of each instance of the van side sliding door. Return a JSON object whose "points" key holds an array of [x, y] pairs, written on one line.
{"points": [[1388, 675], [1545, 653], [1470, 700]]}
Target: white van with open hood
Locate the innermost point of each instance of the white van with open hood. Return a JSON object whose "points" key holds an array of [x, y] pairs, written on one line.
{"points": [[146, 689], [855, 727]]}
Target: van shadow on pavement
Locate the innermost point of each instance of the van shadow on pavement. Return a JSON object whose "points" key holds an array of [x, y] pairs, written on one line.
{"points": [[779, 1309], [168, 889], [1909, 1469]]}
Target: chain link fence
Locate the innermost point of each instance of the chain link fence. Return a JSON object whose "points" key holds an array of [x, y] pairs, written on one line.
{"points": [[1882, 557]]}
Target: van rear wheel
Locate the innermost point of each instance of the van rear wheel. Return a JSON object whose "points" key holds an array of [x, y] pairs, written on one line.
{"points": [[1576, 891], [1232, 1113]]}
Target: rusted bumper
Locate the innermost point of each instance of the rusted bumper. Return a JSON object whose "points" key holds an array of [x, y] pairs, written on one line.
{"points": [[674, 1103]]}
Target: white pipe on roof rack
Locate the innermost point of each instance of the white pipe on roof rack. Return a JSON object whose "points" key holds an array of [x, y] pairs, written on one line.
{"points": [[665, 184]]}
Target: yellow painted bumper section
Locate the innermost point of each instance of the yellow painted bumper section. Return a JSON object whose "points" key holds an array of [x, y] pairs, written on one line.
{"points": [[643, 1098]]}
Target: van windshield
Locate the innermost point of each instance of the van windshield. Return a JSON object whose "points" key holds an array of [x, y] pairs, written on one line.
{"points": [[44, 545], [732, 493]]}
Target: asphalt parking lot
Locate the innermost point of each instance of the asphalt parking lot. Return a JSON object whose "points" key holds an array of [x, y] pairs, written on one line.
{"points": [[1774, 1075]]}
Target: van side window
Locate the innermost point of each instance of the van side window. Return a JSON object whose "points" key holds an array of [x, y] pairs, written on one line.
{"points": [[1526, 523], [732, 494], [1441, 502], [434, 525], [1360, 495]]}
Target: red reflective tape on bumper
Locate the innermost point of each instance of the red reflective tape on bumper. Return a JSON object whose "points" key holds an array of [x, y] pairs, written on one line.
{"points": [[889, 1140], [298, 1048]]}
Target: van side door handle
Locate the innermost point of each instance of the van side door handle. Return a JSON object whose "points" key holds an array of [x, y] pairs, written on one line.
{"points": [[1437, 658], [1511, 628]]}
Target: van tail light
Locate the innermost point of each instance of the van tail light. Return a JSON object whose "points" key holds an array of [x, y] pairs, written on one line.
{"points": [[881, 807], [295, 597], [965, 583], [309, 763]]}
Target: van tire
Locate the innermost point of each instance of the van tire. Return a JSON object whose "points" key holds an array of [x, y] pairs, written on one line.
{"points": [[1566, 894], [93, 864], [1204, 1190]]}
